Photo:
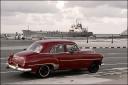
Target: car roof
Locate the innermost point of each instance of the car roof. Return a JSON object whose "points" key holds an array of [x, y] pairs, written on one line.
{"points": [[55, 41]]}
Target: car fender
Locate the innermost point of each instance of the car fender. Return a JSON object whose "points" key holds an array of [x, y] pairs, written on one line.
{"points": [[46, 61]]}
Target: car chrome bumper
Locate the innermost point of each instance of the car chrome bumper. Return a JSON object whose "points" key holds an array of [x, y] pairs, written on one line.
{"points": [[18, 68]]}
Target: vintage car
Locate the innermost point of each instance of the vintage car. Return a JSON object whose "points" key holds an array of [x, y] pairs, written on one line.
{"points": [[45, 56]]}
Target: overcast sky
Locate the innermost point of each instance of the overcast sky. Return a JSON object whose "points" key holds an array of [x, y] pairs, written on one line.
{"points": [[99, 16]]}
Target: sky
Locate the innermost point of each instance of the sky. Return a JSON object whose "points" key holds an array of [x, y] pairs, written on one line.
{"points": [[100, 17]]}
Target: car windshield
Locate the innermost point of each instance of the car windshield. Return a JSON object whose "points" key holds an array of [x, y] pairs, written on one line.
{"points": [[35, 48]]}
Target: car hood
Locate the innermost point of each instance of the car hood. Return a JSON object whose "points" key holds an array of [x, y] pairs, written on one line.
{"points": [[25, 53]]}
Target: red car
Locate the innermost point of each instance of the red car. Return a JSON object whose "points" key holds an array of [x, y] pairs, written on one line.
{"points": [[45, 56]]}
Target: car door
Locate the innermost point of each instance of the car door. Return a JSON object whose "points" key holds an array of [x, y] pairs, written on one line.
{"points": [[86, 59], [79, 59], [66, 59], [74, 53]]}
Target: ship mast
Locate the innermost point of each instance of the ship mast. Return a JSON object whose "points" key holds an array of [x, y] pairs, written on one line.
{"points": [[78, 25], [28, 27]]}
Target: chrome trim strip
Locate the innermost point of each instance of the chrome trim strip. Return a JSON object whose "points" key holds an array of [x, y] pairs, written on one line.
{"points": [[56, 66], [18, 68], [80, 59]]}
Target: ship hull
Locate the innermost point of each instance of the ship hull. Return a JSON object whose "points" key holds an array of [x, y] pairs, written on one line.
{"points": [[29, 33]]}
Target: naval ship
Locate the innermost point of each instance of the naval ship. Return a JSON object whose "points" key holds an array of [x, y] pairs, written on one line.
{"points": [[76, 30]]}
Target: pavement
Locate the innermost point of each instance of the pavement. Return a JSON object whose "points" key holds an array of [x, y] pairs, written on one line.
{"points": [[77, 79], [121, 81], [113, 70]]}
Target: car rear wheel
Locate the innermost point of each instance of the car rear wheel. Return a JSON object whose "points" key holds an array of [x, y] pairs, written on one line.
{"points": [[44, 71], [93, 68]]}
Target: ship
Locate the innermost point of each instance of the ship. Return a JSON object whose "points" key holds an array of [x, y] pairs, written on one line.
{"points": [[76, 30]]}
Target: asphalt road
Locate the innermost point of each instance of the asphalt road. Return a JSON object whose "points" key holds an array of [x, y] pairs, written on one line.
{"points": [[114, 65]]}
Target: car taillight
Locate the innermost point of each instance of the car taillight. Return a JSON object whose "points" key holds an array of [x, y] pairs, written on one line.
{"points": [[10, 58]]}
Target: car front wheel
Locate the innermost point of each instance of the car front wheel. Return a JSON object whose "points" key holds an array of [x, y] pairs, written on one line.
{"points": [[93, 68], [44, 71]]}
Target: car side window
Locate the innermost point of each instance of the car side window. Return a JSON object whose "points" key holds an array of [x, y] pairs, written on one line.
{"points": [[57, 49], [72, 46]]}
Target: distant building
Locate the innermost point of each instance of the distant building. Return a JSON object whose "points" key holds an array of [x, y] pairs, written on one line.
{"points": [[124, 33]]}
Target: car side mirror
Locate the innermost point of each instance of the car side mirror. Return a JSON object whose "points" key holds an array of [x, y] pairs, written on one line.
{"points": [[71, 51], [24, 49]]}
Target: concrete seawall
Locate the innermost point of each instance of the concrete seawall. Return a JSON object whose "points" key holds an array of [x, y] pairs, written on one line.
{"points": [[99, 43]]}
